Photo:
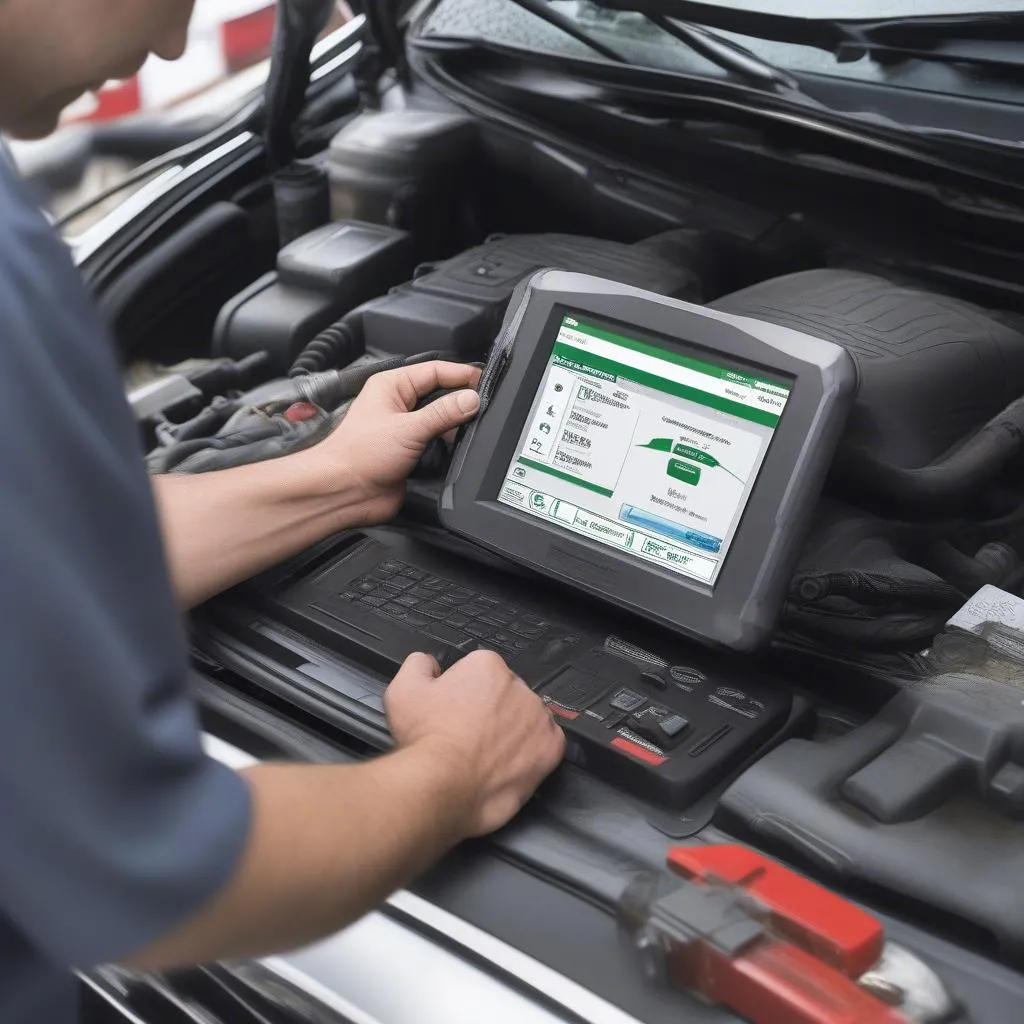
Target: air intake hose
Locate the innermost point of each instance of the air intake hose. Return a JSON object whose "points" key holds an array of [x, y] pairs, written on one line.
{"points": [[952, 481], [299, 22]]}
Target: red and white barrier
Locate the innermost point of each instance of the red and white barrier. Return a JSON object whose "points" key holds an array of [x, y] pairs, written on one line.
{"points": [[226, 36]]}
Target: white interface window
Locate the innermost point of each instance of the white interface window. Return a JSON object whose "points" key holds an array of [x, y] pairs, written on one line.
{"points": [[643, 449]]}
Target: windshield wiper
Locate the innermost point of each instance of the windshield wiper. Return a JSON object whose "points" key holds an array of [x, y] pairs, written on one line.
{"points": [[846, 38], [724, 53]]}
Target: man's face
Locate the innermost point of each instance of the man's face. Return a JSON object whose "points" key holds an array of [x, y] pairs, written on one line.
{"points": [[53, 51]]}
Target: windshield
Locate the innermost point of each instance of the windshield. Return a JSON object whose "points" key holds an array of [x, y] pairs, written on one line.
{"points": [[641, 42], [869, 8]]}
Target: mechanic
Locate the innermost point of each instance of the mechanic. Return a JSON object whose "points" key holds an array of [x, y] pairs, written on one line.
{"points": [[120, 841]]}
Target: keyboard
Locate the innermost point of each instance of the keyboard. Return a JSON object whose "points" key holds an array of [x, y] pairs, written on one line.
{"points": [[646, 711], [452, 613]]}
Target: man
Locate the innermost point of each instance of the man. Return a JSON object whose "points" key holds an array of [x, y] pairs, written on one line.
{"points": [[119, 840]]}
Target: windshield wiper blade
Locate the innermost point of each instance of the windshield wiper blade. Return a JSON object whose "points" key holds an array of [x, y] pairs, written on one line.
{"points": [[844, 37]]}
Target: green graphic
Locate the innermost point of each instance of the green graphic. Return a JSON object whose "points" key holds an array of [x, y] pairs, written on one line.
{"points": [[681, 470], [684, 471], [610, 369], [775, 387]]}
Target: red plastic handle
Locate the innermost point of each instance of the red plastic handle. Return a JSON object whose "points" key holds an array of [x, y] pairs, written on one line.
{"points": [[778, 983], [807, 914]]}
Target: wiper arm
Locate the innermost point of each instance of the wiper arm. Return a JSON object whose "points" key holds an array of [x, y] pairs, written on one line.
{"points": [[843, 37], [726, 54]]}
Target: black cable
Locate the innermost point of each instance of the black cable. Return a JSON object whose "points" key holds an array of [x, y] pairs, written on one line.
{"points": [[241, 120], [296, 28], [845, 36], [335, 346], [870, 588]]}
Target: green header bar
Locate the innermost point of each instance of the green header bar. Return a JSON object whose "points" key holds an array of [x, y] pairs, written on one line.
{"points": [[568, 355], [566, 476], [673, 357]]}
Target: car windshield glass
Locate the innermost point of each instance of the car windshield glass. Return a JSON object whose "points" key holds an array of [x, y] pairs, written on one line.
{"points": [[639, 40]]}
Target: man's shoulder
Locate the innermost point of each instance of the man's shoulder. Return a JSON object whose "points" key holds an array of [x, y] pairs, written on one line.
{"points": [[35, 264], [43, 300], [20, 215]]}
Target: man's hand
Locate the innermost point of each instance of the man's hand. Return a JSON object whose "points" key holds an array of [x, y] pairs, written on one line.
{"points": [[383, 435], [328, 842], [494, 732], [220, 528]]}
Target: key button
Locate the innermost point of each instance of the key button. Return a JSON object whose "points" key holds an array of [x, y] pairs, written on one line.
{"points": [[673, 725], [628, 701]]}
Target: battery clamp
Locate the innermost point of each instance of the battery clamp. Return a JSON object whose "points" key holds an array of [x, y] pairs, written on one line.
{"points": [[741, 931]]}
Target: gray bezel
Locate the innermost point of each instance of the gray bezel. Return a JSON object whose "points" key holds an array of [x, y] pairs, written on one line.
{"points": [[741, 609]]}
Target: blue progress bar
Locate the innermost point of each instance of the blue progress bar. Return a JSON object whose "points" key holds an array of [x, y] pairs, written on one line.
{"points": [[649, 521]]}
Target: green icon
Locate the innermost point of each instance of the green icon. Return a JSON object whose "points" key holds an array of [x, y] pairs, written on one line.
{"points": [[668, 444], [659, 444], [684, 471], [538, 500]]}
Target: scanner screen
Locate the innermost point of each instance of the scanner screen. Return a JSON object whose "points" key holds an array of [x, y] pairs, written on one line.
{"points": [[644, 447]]}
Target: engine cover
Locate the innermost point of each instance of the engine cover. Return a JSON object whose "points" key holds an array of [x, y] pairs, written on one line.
{"points": [[932, 368], [458, 305]]}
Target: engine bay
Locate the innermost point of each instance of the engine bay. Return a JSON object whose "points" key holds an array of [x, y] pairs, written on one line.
{"points": [[921, 506], [921, 511]]}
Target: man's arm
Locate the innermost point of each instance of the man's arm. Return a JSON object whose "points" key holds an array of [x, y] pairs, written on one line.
{"points": [[329, 843], [223, 527], [220, 528], [116, 828]]}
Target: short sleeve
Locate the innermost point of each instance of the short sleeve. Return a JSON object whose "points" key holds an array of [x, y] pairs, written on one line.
{"points": [[114, 825]]}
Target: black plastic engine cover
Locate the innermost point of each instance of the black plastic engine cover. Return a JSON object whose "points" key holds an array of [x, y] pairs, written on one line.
{"points": [[932, 368], [458, 305], [925, 800]]}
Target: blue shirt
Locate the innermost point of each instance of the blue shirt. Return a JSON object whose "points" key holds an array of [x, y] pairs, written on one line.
{"points": [[114, 825]]}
